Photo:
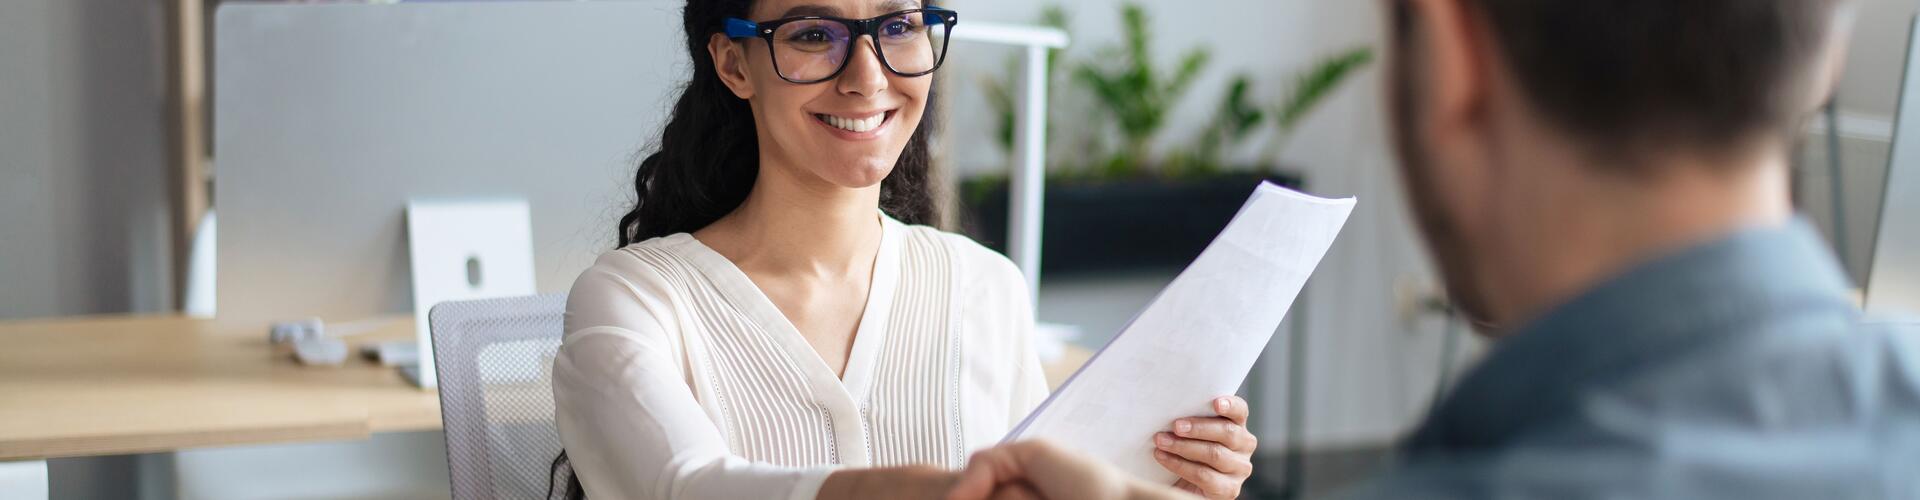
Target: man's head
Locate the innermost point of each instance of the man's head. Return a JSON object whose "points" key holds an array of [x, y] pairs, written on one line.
{"points": [[1497, 101]]}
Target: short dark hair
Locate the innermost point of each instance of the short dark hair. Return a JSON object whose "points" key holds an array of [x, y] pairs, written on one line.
{"points": [[1629, 77]]}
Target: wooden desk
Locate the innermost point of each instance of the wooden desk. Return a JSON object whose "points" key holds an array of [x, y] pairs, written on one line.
{"points": [[114, 385], [1069, 362], [133, 384]]}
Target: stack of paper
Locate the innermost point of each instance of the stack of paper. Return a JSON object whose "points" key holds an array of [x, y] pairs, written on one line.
{"points": [[1198, 339]]}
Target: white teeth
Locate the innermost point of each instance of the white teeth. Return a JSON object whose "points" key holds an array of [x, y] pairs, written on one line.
{"points": [[854, 125]]}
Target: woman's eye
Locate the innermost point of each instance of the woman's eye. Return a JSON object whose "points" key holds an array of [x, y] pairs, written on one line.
{"points": [[898, 29], [816, 36]]}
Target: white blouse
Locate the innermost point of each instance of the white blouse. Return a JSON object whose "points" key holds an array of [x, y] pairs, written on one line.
{"points": [[678, 378]]}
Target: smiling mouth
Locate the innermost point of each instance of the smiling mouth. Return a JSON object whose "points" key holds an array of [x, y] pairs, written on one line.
{"points": [[855, 125]]}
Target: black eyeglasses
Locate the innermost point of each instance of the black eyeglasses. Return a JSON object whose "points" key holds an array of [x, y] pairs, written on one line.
{"points": [[814, 49]]}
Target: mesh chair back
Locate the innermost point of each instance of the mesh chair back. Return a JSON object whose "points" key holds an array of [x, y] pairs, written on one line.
{"points": [[495, 362]]}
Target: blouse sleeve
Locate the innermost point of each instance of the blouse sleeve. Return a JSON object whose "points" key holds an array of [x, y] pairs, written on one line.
{"points": [[628, 419], [1030, 377]]}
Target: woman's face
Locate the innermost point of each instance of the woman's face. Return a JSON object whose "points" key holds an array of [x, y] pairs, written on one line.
{"points": [[848, 130]]}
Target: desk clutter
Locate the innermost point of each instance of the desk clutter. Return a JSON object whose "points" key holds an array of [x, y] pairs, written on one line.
{"points": [[314, 345]]}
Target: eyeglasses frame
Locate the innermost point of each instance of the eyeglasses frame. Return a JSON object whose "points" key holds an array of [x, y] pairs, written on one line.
{"points": [[737, 28]]}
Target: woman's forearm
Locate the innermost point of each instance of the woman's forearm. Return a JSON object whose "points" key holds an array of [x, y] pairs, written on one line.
{"points": [[912, 481]]}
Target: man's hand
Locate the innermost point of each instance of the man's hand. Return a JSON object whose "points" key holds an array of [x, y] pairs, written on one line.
{"points": [[910, 481]]}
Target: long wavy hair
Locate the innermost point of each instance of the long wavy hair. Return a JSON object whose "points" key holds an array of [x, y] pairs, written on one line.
{"points": [[708, 157]]}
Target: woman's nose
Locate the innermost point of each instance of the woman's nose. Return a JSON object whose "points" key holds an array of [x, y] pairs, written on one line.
{"points": [[865, 75]]}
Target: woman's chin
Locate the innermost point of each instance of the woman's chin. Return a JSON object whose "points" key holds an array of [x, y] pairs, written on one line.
{"points": [[859, 177]]}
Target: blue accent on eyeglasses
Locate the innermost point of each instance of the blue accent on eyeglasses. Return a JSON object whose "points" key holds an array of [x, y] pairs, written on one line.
{"points": [[741, 28]]}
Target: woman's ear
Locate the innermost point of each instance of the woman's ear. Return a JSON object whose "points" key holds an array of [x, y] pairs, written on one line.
{"points": [[730, 60]]}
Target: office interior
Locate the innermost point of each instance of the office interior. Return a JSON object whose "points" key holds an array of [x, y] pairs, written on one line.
{"points": [[109, 164]]}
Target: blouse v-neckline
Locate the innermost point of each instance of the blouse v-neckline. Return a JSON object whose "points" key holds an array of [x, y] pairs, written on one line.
{"points": [[857, 376]]}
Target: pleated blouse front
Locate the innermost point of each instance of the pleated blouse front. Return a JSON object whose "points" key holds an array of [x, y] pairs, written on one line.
{"points": [[679, 378]]}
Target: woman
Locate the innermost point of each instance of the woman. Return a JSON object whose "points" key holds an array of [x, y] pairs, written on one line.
{"points": [[774, 324]]}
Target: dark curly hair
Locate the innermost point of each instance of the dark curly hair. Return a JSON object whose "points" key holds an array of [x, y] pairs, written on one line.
{"points": [[708, 155]]}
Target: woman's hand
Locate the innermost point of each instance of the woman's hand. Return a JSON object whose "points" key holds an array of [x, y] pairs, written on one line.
{"points": [[1212, 455]]}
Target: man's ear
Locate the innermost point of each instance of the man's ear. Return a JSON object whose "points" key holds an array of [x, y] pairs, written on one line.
{"points": [[1468, 108], [730, 60], [1455, 64]]}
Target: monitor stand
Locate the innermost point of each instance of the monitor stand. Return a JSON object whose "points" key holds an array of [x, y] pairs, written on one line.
{"points": [[412, 374]]}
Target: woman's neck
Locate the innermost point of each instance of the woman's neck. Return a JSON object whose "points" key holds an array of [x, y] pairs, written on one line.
{"points": [[792, 225]]}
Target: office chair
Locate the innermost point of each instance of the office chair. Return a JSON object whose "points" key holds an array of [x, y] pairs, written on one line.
{"points": [[495, 363]]}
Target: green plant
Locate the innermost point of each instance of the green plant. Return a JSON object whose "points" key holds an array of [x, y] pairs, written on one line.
{"points": [[999, 91], [1136, 93], [1138, 97], [1232, 122], [1309, 90]]}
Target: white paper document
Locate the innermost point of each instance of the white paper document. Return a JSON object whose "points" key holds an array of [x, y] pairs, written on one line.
{"points": [[1198, 339]]}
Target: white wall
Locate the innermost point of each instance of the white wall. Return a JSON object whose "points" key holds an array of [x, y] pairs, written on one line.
{"points": [[1871, 83], [83, 212]]}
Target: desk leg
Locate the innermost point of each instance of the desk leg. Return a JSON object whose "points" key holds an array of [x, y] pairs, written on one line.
{"points": [[23, 480]]}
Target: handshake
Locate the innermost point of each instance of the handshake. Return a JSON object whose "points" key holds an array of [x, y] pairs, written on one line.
{"points": [[1042, 470], [1211, 455]]}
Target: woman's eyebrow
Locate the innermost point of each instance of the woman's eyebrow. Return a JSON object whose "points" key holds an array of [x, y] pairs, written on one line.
{"points": [[831, 11], [812, 10], [899, 5]]}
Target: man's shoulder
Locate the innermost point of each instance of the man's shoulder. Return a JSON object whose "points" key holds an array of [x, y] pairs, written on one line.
{"points": [[1820, 407], [1798, 373]]}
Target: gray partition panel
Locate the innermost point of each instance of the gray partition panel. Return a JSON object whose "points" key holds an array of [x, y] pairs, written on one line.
{"points": [[328, 118]]}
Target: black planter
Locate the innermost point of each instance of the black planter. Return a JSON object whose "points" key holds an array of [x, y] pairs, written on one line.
{"points": [[1124, 225]]}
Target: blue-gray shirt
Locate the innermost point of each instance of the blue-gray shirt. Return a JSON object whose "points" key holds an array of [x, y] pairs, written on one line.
{"points": [[1737, 369]]}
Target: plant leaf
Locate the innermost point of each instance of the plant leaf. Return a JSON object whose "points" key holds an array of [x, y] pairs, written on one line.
{"points": [[1319, 81]]}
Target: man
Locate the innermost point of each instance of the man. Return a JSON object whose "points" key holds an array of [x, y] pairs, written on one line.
{"points": [[1604, 186]]}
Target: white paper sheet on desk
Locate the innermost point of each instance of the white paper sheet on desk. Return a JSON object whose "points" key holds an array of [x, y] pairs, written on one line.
{"points": [[1197, 339]]}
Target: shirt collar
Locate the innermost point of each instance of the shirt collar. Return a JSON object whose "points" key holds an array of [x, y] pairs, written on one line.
{"points": [[1655, 311]]}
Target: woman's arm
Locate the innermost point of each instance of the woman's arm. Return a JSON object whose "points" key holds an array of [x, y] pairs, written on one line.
{"points": [[1041, 469], [913, 481], [632, 428]]}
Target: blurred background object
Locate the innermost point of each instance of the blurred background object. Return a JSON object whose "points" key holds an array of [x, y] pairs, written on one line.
{"points": [[1892, 285], [1123, 207]]}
